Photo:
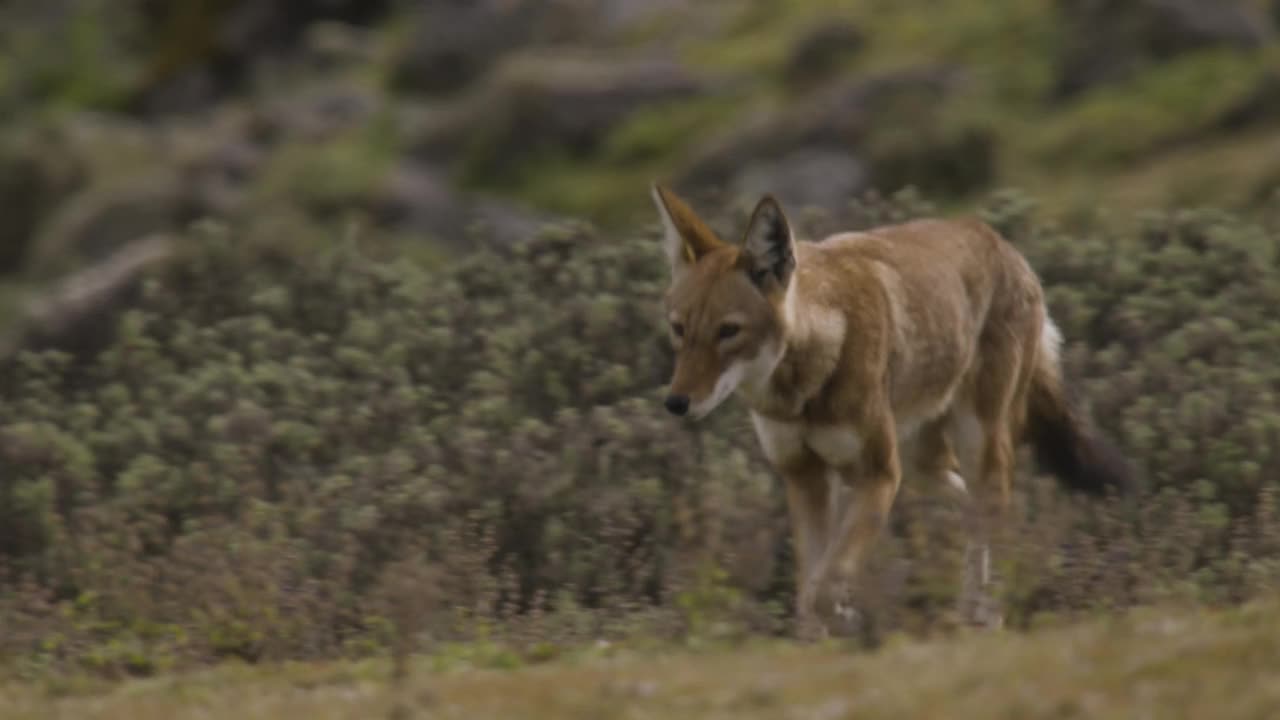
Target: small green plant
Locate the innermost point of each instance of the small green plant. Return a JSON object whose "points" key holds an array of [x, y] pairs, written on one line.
{"points": [[709, 605]]}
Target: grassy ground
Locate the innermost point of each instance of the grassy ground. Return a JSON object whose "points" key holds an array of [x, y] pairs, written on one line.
{"points": [[1148, 664]]}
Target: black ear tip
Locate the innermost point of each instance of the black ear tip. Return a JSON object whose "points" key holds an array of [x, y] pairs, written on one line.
{"points": [[770, 207]]}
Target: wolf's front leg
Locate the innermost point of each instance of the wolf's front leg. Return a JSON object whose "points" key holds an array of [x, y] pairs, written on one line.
{"points": [[977, 603], [809, 499], [862, 514]]}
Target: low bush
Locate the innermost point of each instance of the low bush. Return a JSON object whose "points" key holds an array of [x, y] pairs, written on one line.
{"points": [[292, 457]]}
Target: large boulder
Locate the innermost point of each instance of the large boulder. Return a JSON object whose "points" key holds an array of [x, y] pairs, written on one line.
{"points": [[1107, 40], [315, 113], [621, 14], [37, 172], [816, 176], [418, 199], [941, 161], [103, 181], [199, 52], [872, 132], [452, 43], [97, 222], [821, 50], [76, 314], [1258, 107], [841, 115], [535, 102]]}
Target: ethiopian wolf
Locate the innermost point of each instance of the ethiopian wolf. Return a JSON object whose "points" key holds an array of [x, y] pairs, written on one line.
{"points": [[921, 349]]}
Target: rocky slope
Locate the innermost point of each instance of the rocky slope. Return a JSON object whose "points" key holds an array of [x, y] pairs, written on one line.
{"points": [[442, 124]]}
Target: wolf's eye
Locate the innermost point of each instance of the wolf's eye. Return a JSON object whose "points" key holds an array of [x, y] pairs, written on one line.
{"points": [[729, 330], [678, 329]]}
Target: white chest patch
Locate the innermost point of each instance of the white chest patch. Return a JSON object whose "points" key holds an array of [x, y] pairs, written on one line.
{"points": [[837, 445], [782, 442]]}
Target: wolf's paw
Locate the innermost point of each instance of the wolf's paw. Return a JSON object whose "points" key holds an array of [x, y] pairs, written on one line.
{"points": [[846, 620], [983, 612], [811, 629], [839, 612], [989, 619]]}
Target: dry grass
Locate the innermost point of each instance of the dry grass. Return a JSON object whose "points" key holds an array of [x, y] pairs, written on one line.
{"points": [[1150, 663]]}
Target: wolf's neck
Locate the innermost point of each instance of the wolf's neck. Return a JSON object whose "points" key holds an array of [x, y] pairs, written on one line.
{"points": [[801, 366]]}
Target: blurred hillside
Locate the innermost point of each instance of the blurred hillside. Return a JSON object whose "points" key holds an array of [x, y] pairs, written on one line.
{"points": [[423, 121]]}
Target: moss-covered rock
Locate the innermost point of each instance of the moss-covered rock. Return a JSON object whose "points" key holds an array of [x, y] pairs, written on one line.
{"points": [[448, 46], [101, 220], [821, 51], [79, 314], [884, 131], [1109, 41], [36, 175], [539, 107]]}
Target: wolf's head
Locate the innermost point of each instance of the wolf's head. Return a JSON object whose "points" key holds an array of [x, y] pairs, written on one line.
{"points": [[725, 305]]}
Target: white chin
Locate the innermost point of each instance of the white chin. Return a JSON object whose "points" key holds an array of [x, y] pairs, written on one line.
{"points": [[728, 382], [702, 411]]}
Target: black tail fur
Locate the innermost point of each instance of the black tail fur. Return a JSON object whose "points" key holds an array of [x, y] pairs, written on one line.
{"points": [[1066, 445]]}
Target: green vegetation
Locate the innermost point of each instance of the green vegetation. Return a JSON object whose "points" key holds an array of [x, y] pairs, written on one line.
{"points": [[270, 442], [1167, 106]]}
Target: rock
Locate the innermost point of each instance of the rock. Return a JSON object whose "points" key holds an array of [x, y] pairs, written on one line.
{"points": [[574, 103], [823, 177], [37, 172], [218, 179], [939, 161], [820, 51], [414, 197], [1258, 107], [855, 131], [420, 200], [1177, 26], [454, 43], [451, 44], [203, 51], [1106, 40], [99, 221], [533, 102], [315, 113], [188, 90], [503, 223], [253, 28], [620, 14], [74, 315], [77, 188]]}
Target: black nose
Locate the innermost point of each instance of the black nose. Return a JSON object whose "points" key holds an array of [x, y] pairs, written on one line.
{"points": [[677, 404]]}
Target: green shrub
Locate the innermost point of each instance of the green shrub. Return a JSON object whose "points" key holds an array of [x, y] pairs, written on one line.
{"points": [[269, 435]]}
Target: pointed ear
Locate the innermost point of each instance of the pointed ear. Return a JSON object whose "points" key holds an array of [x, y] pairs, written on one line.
{"points": [[768, 248], [685, 236]]}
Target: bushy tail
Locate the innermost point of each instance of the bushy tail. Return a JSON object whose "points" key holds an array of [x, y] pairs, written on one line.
{"points": [[1064, 441]]}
